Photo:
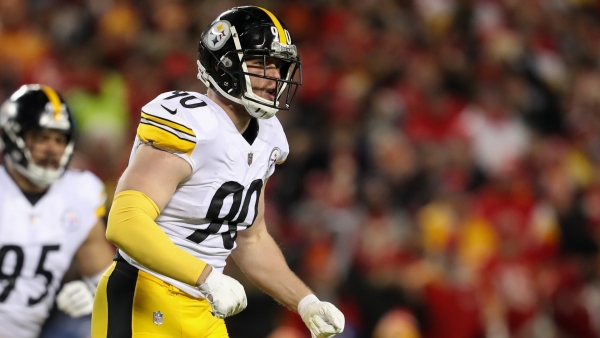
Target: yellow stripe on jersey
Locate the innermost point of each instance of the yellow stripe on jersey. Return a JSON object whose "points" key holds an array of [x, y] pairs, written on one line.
{"points": [[282, 36], [174, 125], [54, 99], [164, 139]]}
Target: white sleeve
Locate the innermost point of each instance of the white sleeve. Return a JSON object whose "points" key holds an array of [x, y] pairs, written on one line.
{"points": [[163, 125]]}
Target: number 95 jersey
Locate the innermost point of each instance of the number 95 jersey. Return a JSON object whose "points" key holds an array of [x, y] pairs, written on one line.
{"points": [[37, 245], [221, 195]]}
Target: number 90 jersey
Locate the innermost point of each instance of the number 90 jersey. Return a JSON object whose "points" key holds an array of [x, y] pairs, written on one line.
{"points": [[221, 195], [37, 245]]}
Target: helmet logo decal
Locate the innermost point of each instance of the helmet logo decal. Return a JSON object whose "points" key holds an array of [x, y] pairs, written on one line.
{"points": [[286, 35], [217, 35]]}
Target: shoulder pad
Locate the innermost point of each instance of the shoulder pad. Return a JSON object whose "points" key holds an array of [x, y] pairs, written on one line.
{"points": [[164, 123]]}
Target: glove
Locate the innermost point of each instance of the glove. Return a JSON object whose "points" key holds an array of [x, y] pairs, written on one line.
{"points": [[323, 319], [76, 299], [225, 294]]}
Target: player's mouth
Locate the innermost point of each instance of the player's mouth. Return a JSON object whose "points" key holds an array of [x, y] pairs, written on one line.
{"points": [[48, 163], [271, 93]]}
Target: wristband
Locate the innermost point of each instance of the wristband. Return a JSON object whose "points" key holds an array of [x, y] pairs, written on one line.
{"points": [[305, 301]]}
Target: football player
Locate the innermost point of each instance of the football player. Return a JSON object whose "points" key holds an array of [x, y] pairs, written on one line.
{"points": [[193, 194], [48, 214]]}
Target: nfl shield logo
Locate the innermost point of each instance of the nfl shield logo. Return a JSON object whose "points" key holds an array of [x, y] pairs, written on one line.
{"points": [[250, 156], [158, 317]]}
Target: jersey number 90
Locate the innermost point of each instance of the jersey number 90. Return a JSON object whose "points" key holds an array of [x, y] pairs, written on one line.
{"points": [[237, 190]]}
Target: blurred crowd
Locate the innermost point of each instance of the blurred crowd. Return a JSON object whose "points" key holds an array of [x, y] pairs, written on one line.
{"points": [[444, 172]]}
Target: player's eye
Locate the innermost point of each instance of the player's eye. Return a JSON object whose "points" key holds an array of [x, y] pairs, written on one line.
{"points": [[255, 62]]}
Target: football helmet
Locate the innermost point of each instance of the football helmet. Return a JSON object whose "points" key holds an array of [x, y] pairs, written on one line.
{"points": [[243, 33], [34, 107]]}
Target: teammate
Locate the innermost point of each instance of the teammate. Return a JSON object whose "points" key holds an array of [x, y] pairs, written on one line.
{"points": [[193, 194], [48, 214]]}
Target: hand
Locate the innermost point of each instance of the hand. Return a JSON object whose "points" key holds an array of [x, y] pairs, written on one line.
{"points": [[323, 319], [225, 295], [76, 299]]}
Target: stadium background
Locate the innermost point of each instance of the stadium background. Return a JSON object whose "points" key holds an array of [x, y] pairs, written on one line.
{"points": [[443, 176]]}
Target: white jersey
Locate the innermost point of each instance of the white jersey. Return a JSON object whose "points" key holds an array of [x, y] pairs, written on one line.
{"points": [[221, 195], [37, 245]]}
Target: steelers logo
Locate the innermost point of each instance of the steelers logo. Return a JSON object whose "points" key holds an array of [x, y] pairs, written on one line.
{"points": [[217, 35], [70, 221], [273, 158]]}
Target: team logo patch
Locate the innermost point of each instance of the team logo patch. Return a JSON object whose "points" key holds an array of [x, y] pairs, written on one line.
{"points": [[70, 221], [273, 158], [217, 35], [157, 317]]}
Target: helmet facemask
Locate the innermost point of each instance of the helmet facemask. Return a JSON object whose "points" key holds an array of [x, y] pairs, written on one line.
{"points": [[23, 162], [285, 87]]}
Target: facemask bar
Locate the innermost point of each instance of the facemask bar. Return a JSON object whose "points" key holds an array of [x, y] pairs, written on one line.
{"points": [[38, 175], [41, 176], [283, 85]]}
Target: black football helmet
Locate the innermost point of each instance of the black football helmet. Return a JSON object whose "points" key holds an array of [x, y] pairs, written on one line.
{"points": [[243, 33], [34, 107]]}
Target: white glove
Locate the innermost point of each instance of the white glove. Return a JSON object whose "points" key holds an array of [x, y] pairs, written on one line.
{"points": [[225, 294], [76, 299], [323, 319]]}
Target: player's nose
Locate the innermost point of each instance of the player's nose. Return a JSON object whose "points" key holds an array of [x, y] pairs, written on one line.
{"points": [[54, 147]]}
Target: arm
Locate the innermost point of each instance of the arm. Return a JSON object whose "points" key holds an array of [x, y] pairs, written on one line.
{"points": [[143, 191], [95, 254], [76, 298], [262, 262]]}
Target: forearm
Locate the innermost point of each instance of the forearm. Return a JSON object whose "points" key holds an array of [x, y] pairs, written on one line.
{"points": [[263, 263], [95, 255], [131, 227]]}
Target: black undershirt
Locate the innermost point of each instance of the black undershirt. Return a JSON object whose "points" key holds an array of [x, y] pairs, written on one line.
{"points": [[251, 132], [34, 197]]}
